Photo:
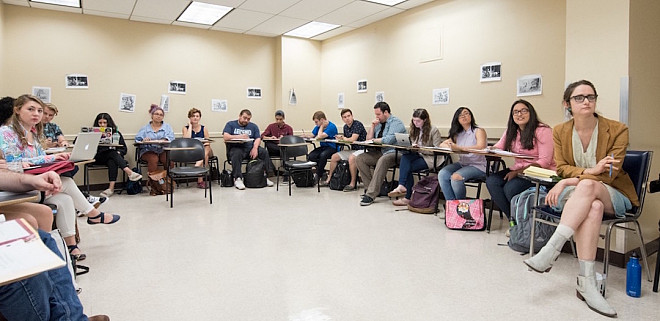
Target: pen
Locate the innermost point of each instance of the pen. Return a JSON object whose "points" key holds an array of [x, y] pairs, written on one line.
{"points": [[611, 166]]}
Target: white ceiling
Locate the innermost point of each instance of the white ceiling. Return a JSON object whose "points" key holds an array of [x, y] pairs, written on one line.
{"points": [[255, 17]]}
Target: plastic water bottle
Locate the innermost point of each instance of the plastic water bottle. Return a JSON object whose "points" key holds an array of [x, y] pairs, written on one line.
{"points": [[634, 277], [14, 157], [115, 138]]}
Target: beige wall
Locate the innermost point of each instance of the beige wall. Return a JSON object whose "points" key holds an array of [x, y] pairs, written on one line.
{"points": [[472, 32], [2, 37], [644, 111]]}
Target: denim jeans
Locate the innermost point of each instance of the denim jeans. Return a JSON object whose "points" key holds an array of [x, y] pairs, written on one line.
{"points": [[410, 163], [46, 296], [455, 189], [502, 191]]}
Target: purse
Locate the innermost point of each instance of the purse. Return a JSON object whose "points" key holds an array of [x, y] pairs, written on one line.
{"points": [[57, 167], [466, 215]]}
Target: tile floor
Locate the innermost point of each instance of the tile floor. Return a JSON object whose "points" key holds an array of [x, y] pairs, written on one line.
{"points": [[262, 255]]}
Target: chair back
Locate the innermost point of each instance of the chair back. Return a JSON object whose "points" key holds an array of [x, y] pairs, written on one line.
{"points": [[638, 165], [292, 152], [186, 156]]}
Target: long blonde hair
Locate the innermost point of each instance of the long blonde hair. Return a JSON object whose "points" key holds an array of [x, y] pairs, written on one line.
{"points": [[16, 124]]}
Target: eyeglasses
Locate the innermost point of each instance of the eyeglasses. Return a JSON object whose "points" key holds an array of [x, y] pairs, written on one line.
{"points": [[580, 98], [523, 111], [158, 114], [464, 114]]}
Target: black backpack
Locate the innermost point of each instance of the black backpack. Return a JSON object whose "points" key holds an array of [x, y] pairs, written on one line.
{"points": [[255, 174], [303, 178], [134, 187], [341, 176], [225, 179]]}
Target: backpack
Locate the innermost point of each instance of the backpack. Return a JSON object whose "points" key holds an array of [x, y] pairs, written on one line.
{"points": [[158, 183], [425, 195], [340, 177], [255, 174], [521, 214], [387, 186], [465, 215], [303, 178], [225, 179], [134, 187]]}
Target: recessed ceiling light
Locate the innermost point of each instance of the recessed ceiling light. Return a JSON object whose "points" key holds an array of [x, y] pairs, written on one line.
{"points": [[203, 13], [68, 3], [311, 29], [387, 2]]}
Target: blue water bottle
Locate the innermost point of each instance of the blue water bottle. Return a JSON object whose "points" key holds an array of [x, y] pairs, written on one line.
{"points": [[634, 277]]}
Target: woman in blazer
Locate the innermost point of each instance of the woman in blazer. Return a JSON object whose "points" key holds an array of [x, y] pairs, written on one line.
{"points": [[589, 150]]}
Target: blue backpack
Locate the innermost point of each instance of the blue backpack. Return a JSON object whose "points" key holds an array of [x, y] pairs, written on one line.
{"points": [[521, 212]]}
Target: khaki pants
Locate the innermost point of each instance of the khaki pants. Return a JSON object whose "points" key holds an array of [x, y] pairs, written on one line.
{"points": [[381, 162]]}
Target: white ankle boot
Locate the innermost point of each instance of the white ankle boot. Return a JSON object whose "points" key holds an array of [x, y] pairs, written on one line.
{"points": [[587, 290], [542, 261]]}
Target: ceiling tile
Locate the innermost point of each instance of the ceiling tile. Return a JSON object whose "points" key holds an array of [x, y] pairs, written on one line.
{"points": [[375, 17], [242, 19], [152, 20], [160, 9], [333, 33], [18, 2], [352, 12], [54, 7], [192, 25], [106, 14], [115, 6], [263, 34], [411, 4], [229, 29], [312, 9], [268, 6], [279, 25]]}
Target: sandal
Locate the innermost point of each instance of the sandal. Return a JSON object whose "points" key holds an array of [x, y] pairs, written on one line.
{"points": [[397, 192], [115, 218], [401, 202], [77, 257]]}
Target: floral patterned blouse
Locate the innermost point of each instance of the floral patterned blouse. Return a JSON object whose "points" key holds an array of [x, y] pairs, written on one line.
{"points": [[32, 153]]}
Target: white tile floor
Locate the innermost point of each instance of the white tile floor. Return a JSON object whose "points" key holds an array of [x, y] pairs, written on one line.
{"points": [[262, 255]]}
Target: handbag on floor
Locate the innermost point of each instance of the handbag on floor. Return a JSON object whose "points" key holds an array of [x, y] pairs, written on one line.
{"points": [[466, 215]]}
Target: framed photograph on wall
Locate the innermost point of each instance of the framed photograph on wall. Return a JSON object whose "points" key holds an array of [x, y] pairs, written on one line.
{"points": [[491, 71], [340, 100], [177, 87], [42, 93], [76, 81], [440, 96], [529, 85], [254, 93], [380, 96], [126, 103], [219, 105], [362, 86]]}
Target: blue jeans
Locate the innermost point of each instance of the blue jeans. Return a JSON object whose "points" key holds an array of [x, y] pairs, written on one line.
{"points": [[46, 296], [502, 191], [455, 189], [410, 163]]}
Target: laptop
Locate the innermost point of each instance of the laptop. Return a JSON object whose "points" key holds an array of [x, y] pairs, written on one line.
{"points": [[106, 133], [402, 139], [85, 146]]}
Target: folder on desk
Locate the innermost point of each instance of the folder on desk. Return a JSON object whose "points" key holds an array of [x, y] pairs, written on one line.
{"points": [[22, 254]]}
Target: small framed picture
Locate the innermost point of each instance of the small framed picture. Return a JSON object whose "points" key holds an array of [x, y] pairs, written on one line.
{"points": [[491, 71], [218, 105], [42, 93], [380, 96], [440, 96], [76, 81], [165, 103], [530, 85], [362, 86], [254, 93], [177, 87], [340, 100], [127, 103]]}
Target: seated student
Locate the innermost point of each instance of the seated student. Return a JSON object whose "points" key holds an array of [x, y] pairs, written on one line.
{"points": [[353, 132], [463, 135], [48, 295], [323, 129], [196, 130], [53, 133], [422, 134], [6, 109], [278, 129], [242, 128], [113, 157], [27, 114], [525, 134], [156, 129], [382, 131]]}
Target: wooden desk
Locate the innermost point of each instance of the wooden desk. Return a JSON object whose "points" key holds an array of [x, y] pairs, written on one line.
{"points": [[152, 142], [11, 198]]}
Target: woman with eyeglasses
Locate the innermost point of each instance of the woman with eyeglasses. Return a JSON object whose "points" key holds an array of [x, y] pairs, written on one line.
{"points": [[422, 134], [155, 130], [589, 150], [463, 135], [527, 135]]}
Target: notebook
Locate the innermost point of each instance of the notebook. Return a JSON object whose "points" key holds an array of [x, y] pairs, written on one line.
{"points": [[402, 139], [85, 147]]}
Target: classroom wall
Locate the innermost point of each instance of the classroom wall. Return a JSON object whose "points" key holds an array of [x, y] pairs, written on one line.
{"points": [[527, 37], [2, 36]]}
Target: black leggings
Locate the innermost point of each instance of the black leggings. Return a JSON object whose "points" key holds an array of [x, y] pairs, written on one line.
{"points": [[113, 160]]}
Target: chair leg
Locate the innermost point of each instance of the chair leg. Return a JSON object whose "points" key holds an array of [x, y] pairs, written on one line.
{"points": [[210, 191], [642, 248], [171, 193]]}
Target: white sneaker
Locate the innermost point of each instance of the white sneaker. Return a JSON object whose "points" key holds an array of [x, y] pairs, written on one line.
{"points": [[238, 183], [269, 183], [96, 201], [134, 177], [107, 193]]}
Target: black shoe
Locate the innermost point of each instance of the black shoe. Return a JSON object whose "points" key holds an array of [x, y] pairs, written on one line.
{"points": [[366, 200]]}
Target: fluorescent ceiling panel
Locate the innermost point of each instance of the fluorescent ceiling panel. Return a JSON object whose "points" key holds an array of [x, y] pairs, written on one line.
{"points": [[67, 3], [311, 29], [387, 2], [203, 13]]}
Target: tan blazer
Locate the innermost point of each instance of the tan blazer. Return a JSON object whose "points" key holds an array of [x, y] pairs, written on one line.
{"points": [[612, 139]]}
